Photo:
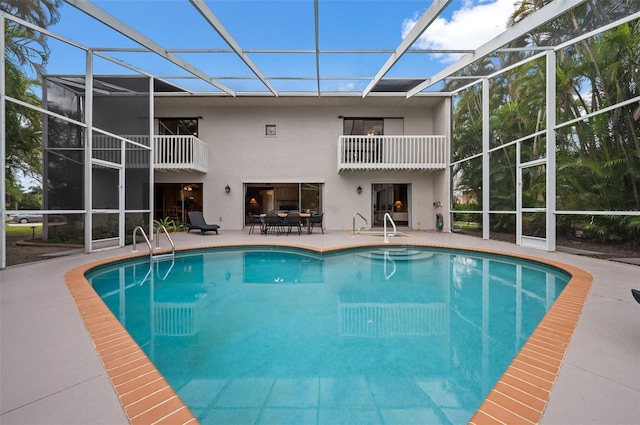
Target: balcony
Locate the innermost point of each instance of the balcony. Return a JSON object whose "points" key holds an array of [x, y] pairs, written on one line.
{"points": [[180, 153], [409, 153], [172, 153]]}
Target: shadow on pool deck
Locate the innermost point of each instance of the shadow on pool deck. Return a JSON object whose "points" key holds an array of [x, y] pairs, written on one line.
{"points": [[51, 373]]}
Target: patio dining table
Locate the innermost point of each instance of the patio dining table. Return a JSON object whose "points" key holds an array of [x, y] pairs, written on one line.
{"points": [[306, 217]]}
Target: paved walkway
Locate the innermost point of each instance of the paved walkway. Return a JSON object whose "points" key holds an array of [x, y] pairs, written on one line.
{"points": [[50, 372]]}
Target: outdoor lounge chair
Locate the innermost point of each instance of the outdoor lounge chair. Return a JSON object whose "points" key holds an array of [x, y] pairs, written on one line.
{"points": [[196, 221]]}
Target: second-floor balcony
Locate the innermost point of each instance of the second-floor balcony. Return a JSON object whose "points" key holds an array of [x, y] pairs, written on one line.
{"points": [[184, 153], [171, 153], [392, 153]]}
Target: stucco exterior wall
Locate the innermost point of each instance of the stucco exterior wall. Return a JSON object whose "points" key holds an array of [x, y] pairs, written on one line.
{"points": [[304, 150]]}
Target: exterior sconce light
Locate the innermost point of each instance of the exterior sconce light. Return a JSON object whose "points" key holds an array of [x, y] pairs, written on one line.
{"points": [[227, 189], [359, 190]]}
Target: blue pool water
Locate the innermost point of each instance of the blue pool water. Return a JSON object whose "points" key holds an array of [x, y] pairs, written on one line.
{"points": [[285, 336]]}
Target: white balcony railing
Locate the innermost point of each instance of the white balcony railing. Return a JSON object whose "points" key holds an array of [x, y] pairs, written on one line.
{"points": [[392, 153], [176, 153], [180, 153]]}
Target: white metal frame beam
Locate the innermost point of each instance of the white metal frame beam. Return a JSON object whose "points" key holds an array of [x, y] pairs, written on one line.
{"points": [[423, 23], [215, 23], [3, 147], [119, 26], [316, 23], [540, 17]]}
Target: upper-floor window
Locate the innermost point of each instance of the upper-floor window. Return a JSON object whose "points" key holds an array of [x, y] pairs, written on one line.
{"points": [[363, 126], [178, 126]]}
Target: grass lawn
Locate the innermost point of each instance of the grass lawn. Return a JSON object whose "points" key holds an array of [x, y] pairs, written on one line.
{"points": [[25, 231]]}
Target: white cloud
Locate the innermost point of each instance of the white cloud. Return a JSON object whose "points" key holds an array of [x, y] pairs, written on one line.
{"points": [[469, 27]]}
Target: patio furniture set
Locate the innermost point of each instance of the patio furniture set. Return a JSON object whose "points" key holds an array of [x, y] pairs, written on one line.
{"points": [[283, 221]]}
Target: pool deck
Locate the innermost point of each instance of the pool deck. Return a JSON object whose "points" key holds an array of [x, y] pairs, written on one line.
{"points": [[52, 373]]}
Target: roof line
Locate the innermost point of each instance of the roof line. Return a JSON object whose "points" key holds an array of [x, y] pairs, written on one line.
{"points": [[213, 20], [423, 23], [119, 26]]}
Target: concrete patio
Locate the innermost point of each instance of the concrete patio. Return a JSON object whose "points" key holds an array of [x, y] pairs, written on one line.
{"points": [[51, 373]]}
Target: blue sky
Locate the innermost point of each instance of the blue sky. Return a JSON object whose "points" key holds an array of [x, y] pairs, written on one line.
{"points": [[343, 24]]}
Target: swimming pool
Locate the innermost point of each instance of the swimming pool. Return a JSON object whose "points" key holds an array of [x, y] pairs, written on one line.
{"points": [[396, 335]]}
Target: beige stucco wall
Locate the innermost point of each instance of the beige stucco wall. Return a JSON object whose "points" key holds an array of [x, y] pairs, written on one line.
{"points": [[304, 150]]}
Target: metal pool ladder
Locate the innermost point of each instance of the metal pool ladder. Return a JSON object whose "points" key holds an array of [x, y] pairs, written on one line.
{"points": [[386, 235], [366, 224], [157, 256]]}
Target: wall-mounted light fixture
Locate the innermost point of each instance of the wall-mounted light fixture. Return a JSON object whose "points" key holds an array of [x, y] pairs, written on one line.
{"points": [[227, 189], [359, 190]]}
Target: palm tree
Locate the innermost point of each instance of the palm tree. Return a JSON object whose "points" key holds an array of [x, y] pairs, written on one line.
{"points": [[26, 50]]}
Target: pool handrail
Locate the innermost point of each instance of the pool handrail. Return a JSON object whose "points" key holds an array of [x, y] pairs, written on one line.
{"points": [[144, 234], [173, 246], [386, 236], [366, 224]]}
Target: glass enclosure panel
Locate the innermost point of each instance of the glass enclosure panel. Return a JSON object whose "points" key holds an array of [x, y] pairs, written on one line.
{"points": [[467, 222], [106, 148], [105, 226], [106, 182], [114, 109], [137, 179], [64, 97], [63, 229], [131, 221], [598, 163], [23, 160], [44, 237], [502, 227], [534, 224], [467, 185], [467, 123], [532, 149], [64, 177], [534, 187], [502, 175], [517, 102]]}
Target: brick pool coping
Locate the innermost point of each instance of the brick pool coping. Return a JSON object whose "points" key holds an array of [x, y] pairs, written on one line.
{"points": [[519, 396]]}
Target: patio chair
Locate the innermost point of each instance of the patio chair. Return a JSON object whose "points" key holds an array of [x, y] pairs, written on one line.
{"points": [[253, 220], [197, 222], [272, 222], [292, 219], [316, 219]]}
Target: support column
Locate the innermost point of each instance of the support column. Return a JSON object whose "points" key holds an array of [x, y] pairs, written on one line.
{"points": [[551, 150], [3, 151], [486, 205], [152, 155], [88, 147]]}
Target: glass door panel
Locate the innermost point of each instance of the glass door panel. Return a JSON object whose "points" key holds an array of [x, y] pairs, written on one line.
{"points": [[105, 206]]}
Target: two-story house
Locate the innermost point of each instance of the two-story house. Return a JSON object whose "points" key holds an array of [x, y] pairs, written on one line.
{"points": [[342, 155]]}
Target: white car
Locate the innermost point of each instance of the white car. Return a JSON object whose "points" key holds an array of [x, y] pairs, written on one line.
{"points": [[34, 218]]}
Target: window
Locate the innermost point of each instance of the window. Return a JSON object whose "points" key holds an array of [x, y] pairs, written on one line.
{"points": [[178, 126], [363, 126]]}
